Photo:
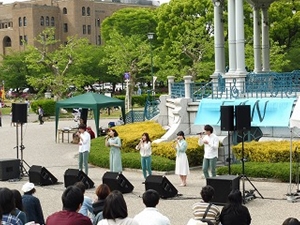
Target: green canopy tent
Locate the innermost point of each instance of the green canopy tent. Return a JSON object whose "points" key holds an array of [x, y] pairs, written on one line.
{"points": [[88, 101]]}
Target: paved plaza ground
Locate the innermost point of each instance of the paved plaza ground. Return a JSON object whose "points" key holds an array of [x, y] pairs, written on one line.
{"points": [[41, 149]]}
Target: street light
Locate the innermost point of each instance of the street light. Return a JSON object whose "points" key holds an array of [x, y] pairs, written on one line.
{"points": [[150, 38], [3, 91]]}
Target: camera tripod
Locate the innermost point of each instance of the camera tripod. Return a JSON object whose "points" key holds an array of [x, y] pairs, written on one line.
{"points": [[247, 195], [23, 170]]}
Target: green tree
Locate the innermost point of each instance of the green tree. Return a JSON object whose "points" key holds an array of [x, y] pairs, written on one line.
{"points": [[126, 54], [130, 21], [65, 66], [14, 70], [186, 30]]}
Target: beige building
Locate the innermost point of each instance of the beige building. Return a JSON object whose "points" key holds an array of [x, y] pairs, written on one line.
{"points": [[22, 21]]}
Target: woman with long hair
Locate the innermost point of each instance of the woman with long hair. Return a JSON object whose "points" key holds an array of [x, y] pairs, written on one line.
{"points": [[182, 164], [235, 213], [115, 210], [19, 211], [114, 142], [145, 151]]}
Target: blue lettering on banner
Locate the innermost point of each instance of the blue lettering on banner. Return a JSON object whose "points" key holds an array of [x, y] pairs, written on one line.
{"points": [[265, 112]]}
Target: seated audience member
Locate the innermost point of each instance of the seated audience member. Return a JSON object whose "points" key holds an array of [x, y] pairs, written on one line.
{"points": [[201, 207], [115, 211], [19, 211], [86, 206], [235, 213], [291, 221], [72, 198], [150, 214], [7, 204], [31, 204], [91, 132], [102, 192]]}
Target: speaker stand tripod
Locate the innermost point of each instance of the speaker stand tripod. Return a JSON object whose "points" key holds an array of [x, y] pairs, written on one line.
{"points": [[23, 170], [247, 195]]}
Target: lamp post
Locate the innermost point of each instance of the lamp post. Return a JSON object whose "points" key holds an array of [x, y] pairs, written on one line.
{"points": [[150, 38], [3, 90]]}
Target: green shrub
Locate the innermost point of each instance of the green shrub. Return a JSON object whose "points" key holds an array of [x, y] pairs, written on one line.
{"points": [[48, 106], [194, 152], [99, 156], [267, 151], [137, 100], [132, 133], [280, 170]]}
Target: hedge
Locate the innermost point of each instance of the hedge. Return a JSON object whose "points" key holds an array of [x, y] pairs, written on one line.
{"points": [[268, 151], [99, 156], [280, 170], [48, 106], [163, 154], [138, 100]]}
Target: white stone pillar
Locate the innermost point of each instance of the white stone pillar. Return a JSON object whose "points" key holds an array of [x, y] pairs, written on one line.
{"points": [[256, 40], [265, 39], [170, 82], [231, 36], [240, 37], [219, 37], [187, 86]]}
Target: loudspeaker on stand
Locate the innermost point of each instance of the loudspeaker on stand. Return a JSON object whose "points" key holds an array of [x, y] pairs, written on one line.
{"points": [[19, 112]]}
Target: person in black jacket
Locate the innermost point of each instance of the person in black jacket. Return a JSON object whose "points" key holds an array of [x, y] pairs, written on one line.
{"points": [[235, 213], [102, 192]]}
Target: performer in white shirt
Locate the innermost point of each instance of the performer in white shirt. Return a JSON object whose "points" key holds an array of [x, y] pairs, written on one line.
{"points": [[211, 145]]}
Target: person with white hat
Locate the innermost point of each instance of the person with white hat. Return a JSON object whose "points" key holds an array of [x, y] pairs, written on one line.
{"points": [[32, 205]]}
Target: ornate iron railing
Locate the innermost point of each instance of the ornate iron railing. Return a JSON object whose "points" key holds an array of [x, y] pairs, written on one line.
{"points": [[177, 90], [151, 107], [255, 85]]}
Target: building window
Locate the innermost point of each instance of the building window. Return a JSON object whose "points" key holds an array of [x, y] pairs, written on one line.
{"points": [[25, 39], [24, 21], [83, 11], [88, 11], [84, 29], [21, 40], [47, 21], [52, 21], [5, 25], [42, 21], [98, 22], [99, 40], [20, 21], [65, 27], [65, 11], [7, 41], [89, 29]]}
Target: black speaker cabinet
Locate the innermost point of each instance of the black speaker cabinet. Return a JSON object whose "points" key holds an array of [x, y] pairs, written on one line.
{"points": [[227, 118], [41, 176], [9, 169], [73, 176], [243, 117], [117, 181], [162, 185], [19, 112], [223, 185]]}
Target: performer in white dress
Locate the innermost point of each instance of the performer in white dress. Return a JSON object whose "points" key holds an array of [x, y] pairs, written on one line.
{"points": [[182, 165]]}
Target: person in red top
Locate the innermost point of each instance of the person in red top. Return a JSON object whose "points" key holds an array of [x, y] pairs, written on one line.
{"points": [[91, 132], [72, 199]]}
